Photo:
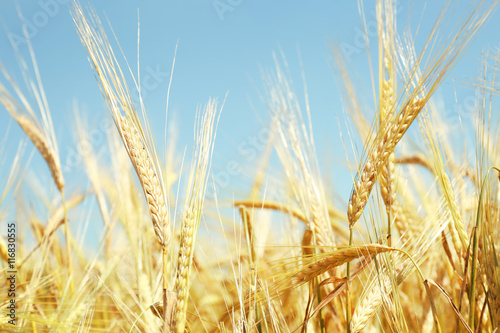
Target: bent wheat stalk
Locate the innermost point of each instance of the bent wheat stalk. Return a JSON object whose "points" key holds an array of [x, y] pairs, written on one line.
{"points": [[42, 136], [338, 258]]}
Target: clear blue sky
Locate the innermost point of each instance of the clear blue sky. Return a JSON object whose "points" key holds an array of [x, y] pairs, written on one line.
{"points": [[222, 47]]}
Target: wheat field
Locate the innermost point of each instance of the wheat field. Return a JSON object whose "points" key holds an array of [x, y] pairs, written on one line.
{"points": [[413, 248]]}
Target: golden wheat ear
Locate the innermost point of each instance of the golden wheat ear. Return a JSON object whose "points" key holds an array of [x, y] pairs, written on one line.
{"points": [[205, 132], [136, 137], [42, 136], [36, 122], [415, 91]]}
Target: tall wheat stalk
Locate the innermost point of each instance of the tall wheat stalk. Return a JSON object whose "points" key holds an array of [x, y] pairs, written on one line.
{"points": [[42, 134], [138, 142], [205, 134]]}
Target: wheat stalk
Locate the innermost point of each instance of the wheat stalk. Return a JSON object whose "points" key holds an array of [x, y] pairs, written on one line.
{"points": [[42, 141], [337, 258], [140, 149], [193, 211], [43, 137], [297, 155], [386, 102]]}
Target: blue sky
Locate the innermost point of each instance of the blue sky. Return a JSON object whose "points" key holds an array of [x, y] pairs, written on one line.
{"points": [[223, 45]]}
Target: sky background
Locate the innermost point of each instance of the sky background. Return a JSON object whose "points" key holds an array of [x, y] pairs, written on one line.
{"points": [[223, 46]]}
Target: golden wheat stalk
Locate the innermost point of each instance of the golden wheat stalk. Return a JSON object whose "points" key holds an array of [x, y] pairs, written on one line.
{"points": [[377, 293], [337, 258], [40, 138], [297, 155], [41, 143], [193, 212], [385, 20], [140, 148], [439, 62], [384, 146]]}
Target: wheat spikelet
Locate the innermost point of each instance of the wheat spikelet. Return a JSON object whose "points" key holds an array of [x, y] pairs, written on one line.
{"points": [[379, 290], [417, 160], [192, 215], [386, 103], [387, 174], [386, 42], [336, 259], [367, 308], [139, 147], [41, 143], [33, 131], [149, 179], [388, 138], [439, 168]]}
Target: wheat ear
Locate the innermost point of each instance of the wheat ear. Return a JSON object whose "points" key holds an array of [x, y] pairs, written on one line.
{"points": [[39, 137], [42, 138], [40, 142], [192, 215], [386, 102], [148, 177], [369, 304], [386, 142], [140, 147], [337, 258]]}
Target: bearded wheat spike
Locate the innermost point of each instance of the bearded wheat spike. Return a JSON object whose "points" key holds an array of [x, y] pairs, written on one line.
{"points": [[386, 43], [367, 308], [298, 157], [32, 130], [41, 143], [148, 177], [336, 259], [388, 138], [370, 302], [191, 220], [388, 170], [115, 90]]}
